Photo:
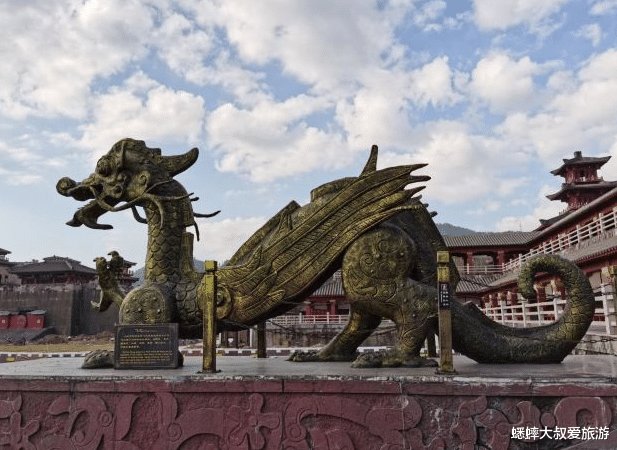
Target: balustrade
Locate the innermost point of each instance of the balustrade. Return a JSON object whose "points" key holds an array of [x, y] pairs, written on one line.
{"points": [[602, 226], [527, 314]]}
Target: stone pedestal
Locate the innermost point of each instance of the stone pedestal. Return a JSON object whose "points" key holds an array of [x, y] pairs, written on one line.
{"points": [[275, 404]]}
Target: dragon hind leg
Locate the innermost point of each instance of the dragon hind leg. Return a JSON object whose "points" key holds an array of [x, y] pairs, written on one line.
{"points": [[377, 270], [344, 345]]}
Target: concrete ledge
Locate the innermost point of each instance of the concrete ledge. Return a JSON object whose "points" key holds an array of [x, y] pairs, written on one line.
{"points": [[273, 404], [594, 344]]}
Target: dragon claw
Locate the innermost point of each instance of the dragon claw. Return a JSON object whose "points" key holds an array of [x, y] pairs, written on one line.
{"points": [[98, 359], [391, 358]]}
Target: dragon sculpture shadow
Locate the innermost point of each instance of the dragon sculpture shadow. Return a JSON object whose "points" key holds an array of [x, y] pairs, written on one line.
{"points": [[373, 227]]}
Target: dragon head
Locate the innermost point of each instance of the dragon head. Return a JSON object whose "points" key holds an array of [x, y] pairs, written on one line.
{"points": [[126, 177]]}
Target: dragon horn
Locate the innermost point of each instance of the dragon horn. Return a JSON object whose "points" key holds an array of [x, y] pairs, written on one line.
{"points": [[178, 163], [371, 164]]}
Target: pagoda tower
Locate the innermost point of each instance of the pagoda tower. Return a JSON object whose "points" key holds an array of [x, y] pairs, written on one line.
{"points": [[582, 183]]}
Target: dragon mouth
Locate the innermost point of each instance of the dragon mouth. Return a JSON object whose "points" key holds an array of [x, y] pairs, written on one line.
{"points": [[89, 214]]}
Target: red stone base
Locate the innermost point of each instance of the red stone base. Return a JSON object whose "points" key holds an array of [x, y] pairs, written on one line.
{"points": [[69, 409]]}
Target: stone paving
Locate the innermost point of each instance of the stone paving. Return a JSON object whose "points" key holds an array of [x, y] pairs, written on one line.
{"points": [[580, 369]]}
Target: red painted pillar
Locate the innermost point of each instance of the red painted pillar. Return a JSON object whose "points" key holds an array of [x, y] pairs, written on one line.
{"points": [[493, 299], [469, 259], [501, 257]]}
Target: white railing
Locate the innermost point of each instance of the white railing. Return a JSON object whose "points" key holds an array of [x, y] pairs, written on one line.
{"points": [[602, 226], [535, 314], [297, 319], [480, 269]]}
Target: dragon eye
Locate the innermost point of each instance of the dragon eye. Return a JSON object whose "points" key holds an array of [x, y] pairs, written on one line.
{"points": [[103, 167]]}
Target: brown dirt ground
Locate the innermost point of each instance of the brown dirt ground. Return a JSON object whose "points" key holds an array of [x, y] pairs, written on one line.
{"points": [[54, 343]]}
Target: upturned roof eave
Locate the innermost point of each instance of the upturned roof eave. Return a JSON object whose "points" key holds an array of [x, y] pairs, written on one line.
{"points": [[587, 160]]}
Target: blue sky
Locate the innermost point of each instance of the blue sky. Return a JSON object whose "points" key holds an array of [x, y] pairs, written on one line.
{"points": [[281, 96]]}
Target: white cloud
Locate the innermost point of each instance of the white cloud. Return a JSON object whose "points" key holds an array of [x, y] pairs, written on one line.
{"points": [[20, 165], [321, 43], [52, 52], [196, 54], [426, 16], [432, 83], [221, 238], [579, 117], [609, 170], [603, 7], [183, 46], [463, 166], [274, 139], [544, 209], [486, 207], [500, 15], [380, 111], [562, 81], [377, 115], [504, 83], [591, 32], [18, 177], [143, 109]]}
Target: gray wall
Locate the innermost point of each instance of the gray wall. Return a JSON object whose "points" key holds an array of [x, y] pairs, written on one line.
{"points": [[69, 312], [308, 335]]}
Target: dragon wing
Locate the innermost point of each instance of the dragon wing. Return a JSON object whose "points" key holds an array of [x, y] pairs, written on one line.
{"points": [[292, 254]]}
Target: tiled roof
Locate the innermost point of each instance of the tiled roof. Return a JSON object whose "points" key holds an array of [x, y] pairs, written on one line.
{"points": [[333, 287], [489, 239], [578, 160], [606, 185], [592, 248], [475, 283], [527, 237], [544, 223], [573, 215], [4, 252], [52, 264]]}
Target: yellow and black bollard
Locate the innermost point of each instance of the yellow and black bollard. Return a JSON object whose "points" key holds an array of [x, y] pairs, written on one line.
{"points": [[208, 295], [444, 297]]}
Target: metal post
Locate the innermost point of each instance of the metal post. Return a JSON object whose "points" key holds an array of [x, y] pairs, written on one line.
{"points": [[444, 298], [208, 294], [261, 340]]}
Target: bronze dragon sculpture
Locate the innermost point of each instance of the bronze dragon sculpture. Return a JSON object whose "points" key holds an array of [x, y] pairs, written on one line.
{"points": [[371, 226]]}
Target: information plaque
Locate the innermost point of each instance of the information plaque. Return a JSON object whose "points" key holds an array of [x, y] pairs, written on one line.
{"points": [[146, 346], [444, 295]]}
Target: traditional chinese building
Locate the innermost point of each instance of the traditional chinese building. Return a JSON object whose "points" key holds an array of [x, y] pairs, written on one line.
{"points": [[581, 183], [328, 299], [127, 278], [6, 277], [584, 232], [54, 270]]}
